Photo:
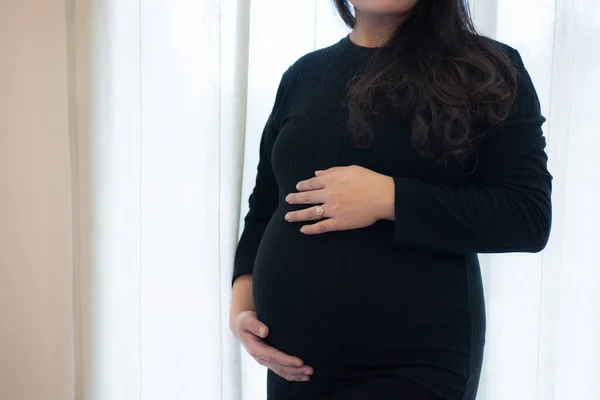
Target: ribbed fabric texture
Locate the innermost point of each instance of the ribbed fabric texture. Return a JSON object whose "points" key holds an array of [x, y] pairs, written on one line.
{"points": [[399, 299]]}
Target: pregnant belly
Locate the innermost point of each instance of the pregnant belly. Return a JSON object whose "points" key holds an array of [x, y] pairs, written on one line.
{"points": [[349, 301]]}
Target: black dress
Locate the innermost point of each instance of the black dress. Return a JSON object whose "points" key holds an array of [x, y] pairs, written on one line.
{"points": [[394, 310]]}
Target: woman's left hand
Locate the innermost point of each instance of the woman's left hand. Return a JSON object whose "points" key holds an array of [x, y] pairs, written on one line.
{"points": [[351, 197]]}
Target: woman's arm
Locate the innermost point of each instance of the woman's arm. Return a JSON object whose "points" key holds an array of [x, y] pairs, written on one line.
{"points": [[261, 206], [264, 197], [507, 207], [241, 298]]}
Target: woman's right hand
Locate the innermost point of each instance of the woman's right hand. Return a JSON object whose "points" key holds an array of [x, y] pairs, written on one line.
{"points": [[250, 332]]}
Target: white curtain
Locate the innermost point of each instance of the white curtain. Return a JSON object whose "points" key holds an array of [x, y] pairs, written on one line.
{"points": [[136, 126]]}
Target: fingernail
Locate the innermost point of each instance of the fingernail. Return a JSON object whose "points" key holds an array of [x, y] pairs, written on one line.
{"points": [[262, 331], [287, 217], [302, 230], [298, 364], [305, 378], [287, 198]]}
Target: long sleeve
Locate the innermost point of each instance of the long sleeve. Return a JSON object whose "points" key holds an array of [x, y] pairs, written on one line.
{"points": [[507, 205], [264, 197]]}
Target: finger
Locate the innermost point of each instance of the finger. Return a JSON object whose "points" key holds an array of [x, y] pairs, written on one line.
{"points": [[277, 369], [326, 171], [286, 374], [309, 197], [281, 371], [255, 327], [257, 348], [304, 370], [311, 184], [308, 214], [273, 355], [326, 225]]}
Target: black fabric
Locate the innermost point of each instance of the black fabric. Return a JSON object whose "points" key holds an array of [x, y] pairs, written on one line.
{"points": [[394, 310]]}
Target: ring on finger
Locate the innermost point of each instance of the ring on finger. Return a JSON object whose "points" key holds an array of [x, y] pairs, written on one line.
{"points": [[320, 212]]}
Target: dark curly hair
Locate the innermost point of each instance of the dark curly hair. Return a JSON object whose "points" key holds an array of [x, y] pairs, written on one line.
{"points": [[436, 71]]}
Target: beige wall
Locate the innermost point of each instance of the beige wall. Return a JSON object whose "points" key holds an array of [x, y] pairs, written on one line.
{"points": [[36, 355]]}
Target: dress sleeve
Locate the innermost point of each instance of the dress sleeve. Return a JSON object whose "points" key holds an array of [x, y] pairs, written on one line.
{"points": [[507, 205], [264, 197]]}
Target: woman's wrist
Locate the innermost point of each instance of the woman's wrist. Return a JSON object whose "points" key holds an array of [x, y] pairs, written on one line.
{"points": [[241, 296], [387, 203]]}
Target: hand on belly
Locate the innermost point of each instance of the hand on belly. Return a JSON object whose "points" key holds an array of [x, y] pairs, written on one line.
{"points": [[350, 197], [251, 332]]}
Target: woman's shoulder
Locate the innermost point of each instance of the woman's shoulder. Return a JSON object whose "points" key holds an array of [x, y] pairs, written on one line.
{"points": [[526, 105], [315, 60], [508, 50], [316, 57]]}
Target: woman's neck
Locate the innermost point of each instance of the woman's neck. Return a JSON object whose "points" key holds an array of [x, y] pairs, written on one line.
{"points": [[373, 30]]}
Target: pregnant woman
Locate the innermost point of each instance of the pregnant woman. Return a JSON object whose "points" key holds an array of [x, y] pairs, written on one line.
{"points": [[389, 160]]}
